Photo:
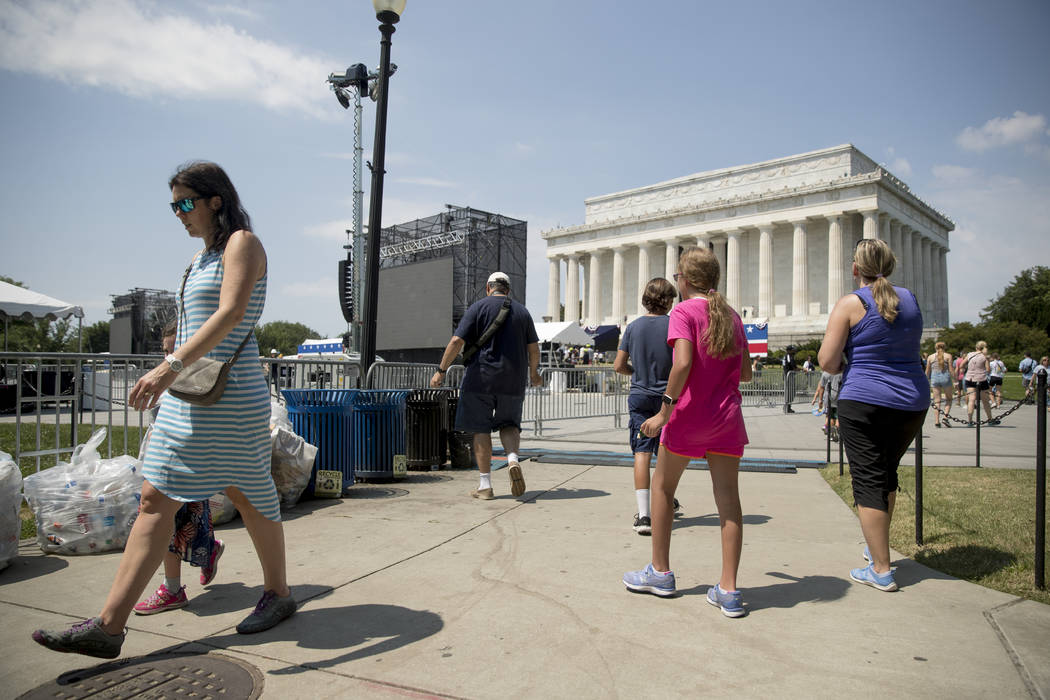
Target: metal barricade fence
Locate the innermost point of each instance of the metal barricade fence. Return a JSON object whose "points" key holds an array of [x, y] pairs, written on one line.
{"points": [[297, 373]]}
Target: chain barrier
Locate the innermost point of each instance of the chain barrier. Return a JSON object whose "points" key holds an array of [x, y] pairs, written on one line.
{"points": [[995, 420]]}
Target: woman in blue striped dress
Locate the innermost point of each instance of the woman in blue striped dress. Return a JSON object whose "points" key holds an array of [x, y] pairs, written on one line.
{"points": [[197, 451]]}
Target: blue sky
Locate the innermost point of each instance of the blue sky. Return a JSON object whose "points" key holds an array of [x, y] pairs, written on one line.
{"points": [[522, 108]]}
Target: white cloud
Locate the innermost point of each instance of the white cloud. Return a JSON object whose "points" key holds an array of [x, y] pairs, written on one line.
{"points": [[901, 167], [1002, 131], [144, 50], [330, 230], [524, 149], [952, 173], [425, 181], [232, 11], [323, 288]]}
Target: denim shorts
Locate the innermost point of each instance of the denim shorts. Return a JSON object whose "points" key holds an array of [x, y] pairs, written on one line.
{"points": [[485, 413], [642, 407]]}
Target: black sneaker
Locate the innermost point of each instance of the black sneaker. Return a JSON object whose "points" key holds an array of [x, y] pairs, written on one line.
{"points": [[643, 525], [677, 509]]}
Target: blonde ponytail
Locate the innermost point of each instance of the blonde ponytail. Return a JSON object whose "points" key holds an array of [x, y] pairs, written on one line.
{"points": [[875, 262], [700, 268]]}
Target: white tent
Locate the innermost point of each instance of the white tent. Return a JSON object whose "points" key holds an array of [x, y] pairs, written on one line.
{"points": [[562, 332], [18, 303]]}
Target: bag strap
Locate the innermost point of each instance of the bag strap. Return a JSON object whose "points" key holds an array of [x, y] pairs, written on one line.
{"points": [[182, 317], [486, 336]]}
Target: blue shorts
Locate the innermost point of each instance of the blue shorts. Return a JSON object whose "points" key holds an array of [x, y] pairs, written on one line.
{"points": [[642, 407], [486, 413]]}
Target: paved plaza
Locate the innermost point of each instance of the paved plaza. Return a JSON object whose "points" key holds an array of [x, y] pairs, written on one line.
{"points": [[413, 589]]}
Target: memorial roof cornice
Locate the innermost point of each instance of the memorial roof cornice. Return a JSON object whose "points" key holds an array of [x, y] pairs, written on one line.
{"points": [[879, 176]]}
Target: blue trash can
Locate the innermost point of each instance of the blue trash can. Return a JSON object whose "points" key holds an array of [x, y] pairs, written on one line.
{"points": [[323, 417], [378, 428]]}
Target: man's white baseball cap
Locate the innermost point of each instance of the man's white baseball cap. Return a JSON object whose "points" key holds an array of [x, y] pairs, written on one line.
{"points": [[499, 277]]}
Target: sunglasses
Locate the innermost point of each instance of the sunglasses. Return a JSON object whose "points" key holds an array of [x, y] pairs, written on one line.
{"points": [[676, 275], [186, 205]]}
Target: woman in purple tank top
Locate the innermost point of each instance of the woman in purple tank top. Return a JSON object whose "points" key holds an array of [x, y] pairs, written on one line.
{"points": [[884, 395]]}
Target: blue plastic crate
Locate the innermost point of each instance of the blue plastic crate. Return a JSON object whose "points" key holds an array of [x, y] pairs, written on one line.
{"points": [[323, 417]]}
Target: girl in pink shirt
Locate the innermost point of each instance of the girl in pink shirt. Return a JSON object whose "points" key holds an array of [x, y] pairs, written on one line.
{"points": [[700, 419]]}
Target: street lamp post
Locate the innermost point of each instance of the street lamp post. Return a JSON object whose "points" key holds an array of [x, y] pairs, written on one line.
{"points": [[388, 12]]}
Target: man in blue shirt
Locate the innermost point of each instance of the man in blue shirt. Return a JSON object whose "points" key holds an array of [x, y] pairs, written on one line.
{"points": [[493, 388], [1027, 368]]}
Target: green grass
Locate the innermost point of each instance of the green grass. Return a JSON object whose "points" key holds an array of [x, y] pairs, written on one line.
{"points": [[978, 525], [28, 465]]}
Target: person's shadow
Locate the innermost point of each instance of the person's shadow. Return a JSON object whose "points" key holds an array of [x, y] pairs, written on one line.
{"points": [[711, 519], [358, 630], [562, 493], [795, 590]]}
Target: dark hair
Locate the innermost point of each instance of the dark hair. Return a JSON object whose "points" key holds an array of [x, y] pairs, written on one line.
{"points": [[500, 286], [209, 180], [658, 297]]}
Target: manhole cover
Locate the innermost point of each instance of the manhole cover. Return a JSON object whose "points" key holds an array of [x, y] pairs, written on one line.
{"points": [[425, 478], [184, 675]]}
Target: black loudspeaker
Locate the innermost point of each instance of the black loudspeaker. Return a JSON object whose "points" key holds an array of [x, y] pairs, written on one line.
{"points": [[346, 289]]}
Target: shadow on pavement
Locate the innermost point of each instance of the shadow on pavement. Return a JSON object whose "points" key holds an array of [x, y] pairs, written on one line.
{"points": [[712, 519], [807, 589], [966, 561], [23, 568], [557, 494], [360, 630], [221, 598]]}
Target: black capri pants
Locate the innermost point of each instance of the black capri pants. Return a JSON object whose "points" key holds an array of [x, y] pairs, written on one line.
{"points": [[875, 438]]}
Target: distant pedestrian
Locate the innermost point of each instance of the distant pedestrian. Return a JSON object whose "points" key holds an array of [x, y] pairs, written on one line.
{"points": [[756, 367], [976, 377], [788, 364], [1026, 367], [884, 396], [504, 354], [959, 377], [645, 356], [939, 372], [700, 419], [996, 370]]}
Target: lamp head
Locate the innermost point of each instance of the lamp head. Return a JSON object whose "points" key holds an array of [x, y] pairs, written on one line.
{"points": [[389, 11], [343, 95]]}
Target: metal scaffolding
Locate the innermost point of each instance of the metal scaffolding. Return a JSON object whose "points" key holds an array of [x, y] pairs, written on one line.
{"points": [[143, 313], [479, 243]]}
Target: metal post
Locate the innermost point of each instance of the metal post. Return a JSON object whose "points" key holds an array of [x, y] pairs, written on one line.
{"points": [[840, 450], [375, 204], [827, 426], [1040, 481], [918, 486], [977, 409]]}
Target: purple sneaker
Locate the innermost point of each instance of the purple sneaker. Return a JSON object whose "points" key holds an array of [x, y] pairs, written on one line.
{"points": [[208, 572]]}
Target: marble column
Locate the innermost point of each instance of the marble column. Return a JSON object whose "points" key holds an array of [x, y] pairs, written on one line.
{"points": [[895, 245], [884, 228], [835, 271], [617, 283], [643, 275], [554, 289], [946, 303], [799, 270], [917, 271], [904, 258], [594, 295], [572, 288], [765, 270], [871, 223], [931, 283], [670, 259], [720, 256], [732, 269]]}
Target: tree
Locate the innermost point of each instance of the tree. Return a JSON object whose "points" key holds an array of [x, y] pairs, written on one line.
{"points": [[96, 337], [1026, 300], [285, 336]]}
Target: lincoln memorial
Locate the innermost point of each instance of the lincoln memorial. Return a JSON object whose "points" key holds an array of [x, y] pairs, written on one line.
{"points": [[783, 232]]}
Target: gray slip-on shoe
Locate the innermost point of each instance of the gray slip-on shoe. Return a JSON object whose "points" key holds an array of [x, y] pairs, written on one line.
{"points": [[87, 638], [269, 611]]}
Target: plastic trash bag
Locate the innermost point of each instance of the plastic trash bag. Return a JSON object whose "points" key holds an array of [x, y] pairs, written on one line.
{"points": [[10, 502], [279, 416], [222, 509], [87, 506], [291, 464]]}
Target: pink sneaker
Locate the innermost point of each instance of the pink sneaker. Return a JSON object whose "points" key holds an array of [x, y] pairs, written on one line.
{"points": [[162, 600], [208, 572]]}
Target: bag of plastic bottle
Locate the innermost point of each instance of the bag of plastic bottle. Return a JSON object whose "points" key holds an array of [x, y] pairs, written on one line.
{"points": [[86, 506], [291, 464], [10, 502]]}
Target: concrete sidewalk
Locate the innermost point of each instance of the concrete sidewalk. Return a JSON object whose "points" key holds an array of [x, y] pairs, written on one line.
{"points": [[413, 589]]}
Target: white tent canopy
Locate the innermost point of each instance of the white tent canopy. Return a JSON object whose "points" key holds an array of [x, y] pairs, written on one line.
{"points": [[18, 303], [562, 332]]}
